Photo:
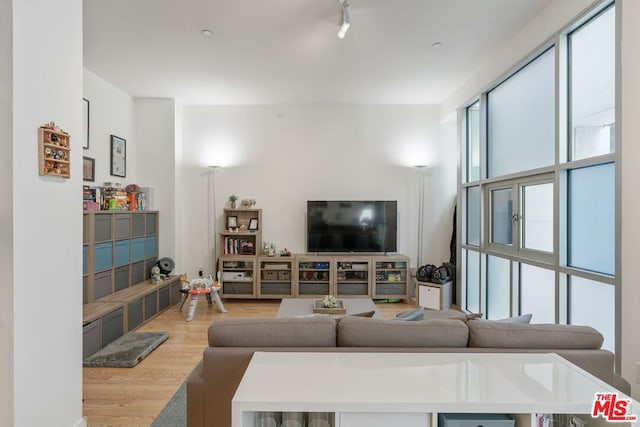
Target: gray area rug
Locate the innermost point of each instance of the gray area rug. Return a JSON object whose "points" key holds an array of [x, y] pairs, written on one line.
{"points": [[174, 414], [127, 351]]}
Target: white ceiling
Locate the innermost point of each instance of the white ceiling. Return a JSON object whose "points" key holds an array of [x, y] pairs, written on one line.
{"points": [[287, 51]]}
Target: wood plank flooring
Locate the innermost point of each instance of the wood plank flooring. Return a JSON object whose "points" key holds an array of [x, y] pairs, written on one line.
{"points": [[128, 397]]}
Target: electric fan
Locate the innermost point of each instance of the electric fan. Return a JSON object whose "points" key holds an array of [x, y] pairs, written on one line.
{"points": [[166, 265]]}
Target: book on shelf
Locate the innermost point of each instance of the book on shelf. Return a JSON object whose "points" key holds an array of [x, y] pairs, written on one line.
{"points": [[238, 246]]}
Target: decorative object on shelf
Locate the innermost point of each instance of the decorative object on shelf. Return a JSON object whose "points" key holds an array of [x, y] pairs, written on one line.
{"points": [[232, 200], [232, 222], [329, 305], [329, 301], [85, 123], [155, 274], [285, 252], [253, 224], [269, 249], [166, 265], [88, 169], [54, 157], [132, 196], [118, 156], [247, 203]]}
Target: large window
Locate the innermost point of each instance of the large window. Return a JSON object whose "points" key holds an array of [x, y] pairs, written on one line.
{"points": [[539, 184], [592, 87], [521, 119]]}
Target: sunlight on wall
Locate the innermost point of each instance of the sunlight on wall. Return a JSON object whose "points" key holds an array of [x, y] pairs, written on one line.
{"points": [[218, 150], [412, 152]]}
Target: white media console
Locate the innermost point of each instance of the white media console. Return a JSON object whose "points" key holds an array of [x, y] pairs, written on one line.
{"points": [[411, 389]]}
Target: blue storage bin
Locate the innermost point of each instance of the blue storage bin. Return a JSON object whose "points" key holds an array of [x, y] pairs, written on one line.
{"points": [[137, 249], [102, 256], [151, 248], [122, 252]]}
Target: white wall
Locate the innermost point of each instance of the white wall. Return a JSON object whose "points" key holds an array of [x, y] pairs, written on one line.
{"points": [[282, 156], [47, 220], [6, 213], [630, 135], [156, 162], [110, 113]]}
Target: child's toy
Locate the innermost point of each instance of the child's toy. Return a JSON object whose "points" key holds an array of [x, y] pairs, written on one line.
{"points": [[155, 274], [192, 289]]}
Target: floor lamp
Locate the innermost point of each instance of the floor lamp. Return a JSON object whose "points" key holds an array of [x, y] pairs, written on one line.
{"points": [[211, 216], [420, 169]]}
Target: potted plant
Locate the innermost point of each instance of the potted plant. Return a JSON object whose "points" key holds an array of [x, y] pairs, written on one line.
{"points": [[233, 199]]}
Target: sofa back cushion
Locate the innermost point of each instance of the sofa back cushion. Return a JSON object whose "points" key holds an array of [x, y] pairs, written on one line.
{"points": [[273, 332], [359, 332], [491, 334]]}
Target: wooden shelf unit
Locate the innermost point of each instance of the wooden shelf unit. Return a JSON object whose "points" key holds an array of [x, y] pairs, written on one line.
{"points": [[276, 276], [241, 240], [54, 153]]}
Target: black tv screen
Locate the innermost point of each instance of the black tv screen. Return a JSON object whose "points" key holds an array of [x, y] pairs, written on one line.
{"points": [[351, 226]]}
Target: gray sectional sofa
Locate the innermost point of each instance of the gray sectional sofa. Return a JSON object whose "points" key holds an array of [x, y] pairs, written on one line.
{"points": [[232, 342]]}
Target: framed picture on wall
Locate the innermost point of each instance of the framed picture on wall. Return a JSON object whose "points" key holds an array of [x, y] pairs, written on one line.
{"points": [[88, 169], [85, 123], [118, 156]]}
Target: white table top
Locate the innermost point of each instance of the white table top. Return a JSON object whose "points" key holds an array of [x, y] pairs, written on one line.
{"points": [[417, 382]]}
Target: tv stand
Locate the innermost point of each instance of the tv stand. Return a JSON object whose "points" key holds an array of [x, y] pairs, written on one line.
{"points": [[314, 275]]}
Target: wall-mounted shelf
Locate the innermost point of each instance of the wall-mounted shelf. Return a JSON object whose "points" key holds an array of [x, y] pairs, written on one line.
{"points": [[54, 152]]}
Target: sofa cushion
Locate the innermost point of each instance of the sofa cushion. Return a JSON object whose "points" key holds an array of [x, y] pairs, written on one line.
{"points": [[273, 332], [411, 315], [358, 332], [492, 334]]}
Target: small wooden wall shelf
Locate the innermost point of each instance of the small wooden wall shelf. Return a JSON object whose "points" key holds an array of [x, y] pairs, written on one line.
{"points": [[54, 152]]}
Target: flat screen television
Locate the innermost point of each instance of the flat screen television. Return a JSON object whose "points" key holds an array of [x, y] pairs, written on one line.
{"points": [[352, 226]]}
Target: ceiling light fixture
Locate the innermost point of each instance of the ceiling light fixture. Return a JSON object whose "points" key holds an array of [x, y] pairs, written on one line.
{"points": [[436, 45], [346, 18], [206, 33]]}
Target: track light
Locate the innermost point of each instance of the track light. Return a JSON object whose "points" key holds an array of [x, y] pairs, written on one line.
{"points": [[346, 18]]}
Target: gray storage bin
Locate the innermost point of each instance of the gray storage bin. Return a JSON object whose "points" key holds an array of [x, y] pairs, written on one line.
{"points": [[102, 284], [163, 298], [137, 272], [237, 288], [121, 278], [475, 420], [361, 289], [152, 223], [91, 338], [85, 228], [112, 326], [102, 230], [85, 281], [176, 295], [391, 288], [134, 314], [275, 289], [137, 224], [121, 225], [313, 289], [150, 305]]}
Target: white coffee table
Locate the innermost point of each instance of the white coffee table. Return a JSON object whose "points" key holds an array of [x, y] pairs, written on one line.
{"points": [[294, 307]]}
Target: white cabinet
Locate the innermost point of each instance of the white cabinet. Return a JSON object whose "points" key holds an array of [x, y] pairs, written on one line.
{"points": [[435, 296]]}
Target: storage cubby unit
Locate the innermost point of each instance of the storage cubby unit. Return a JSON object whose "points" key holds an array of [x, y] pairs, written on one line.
{"points": [[315, 276], [237, 277], [238, 238], [352, 277], [275, 277], [391, 277], [119, 249]]}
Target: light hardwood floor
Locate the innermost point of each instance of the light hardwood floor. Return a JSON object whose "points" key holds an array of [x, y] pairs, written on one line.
{"points": [[127, 397]]}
